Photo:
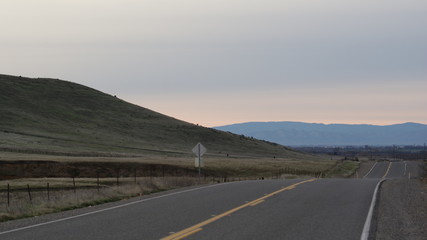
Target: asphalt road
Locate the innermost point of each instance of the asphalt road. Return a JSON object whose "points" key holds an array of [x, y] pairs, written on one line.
{"points": [[269, 209], [394, 170]]}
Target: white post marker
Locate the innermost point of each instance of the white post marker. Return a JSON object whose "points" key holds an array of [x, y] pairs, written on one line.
{"points": [[197, 164], [199, 150]]}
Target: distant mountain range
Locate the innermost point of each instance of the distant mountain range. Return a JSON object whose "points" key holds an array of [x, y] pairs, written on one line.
{"points": [[316, 134]]}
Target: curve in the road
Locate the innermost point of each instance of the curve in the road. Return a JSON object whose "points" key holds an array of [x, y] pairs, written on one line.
{"points": [[269, 209]]}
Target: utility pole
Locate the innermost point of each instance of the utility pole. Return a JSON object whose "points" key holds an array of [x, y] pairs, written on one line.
{"points": [[425, 152], [394, 151]]}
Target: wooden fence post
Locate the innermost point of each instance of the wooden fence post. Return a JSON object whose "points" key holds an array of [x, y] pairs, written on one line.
{"points": [[8, 195], [74, 184], [29, 193], [97, 182], [118, 173], [48, 193]]}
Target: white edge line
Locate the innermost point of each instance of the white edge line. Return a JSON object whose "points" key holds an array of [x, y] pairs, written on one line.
{"points": [[367, 226], [110, 208], [370, 170]]}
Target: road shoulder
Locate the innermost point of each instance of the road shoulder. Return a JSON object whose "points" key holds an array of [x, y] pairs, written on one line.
{"points": [[402, 210]]}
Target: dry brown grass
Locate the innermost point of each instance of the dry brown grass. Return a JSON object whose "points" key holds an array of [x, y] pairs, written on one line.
{"points": [[20, 205], [233, 165], [62, 195], [262, 167]]}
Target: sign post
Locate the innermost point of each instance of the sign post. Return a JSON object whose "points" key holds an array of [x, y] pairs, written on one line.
{"points": [[199, 150]]}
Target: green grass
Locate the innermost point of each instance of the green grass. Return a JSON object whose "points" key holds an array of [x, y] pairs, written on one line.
{"points": [[63, 122], [343, 169], [56, 117]]}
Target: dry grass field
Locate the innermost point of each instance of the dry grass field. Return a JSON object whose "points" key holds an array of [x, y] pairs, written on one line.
{"points": [[52, 131], [62, 196]]}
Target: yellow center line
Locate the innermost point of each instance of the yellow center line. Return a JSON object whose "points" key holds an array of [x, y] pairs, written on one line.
{"points": [[256, 203], [388, 169], [184, 235], [198, 227]]}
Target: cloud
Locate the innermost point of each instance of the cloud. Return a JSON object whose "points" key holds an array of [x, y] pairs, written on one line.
{"points": [[167, 47]]}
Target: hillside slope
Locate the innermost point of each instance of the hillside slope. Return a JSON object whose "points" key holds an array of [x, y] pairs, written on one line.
{"points": [[303, 134], [60, 117]]}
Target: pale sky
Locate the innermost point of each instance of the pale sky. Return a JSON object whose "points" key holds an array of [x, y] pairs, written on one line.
{"points": [[228, 61]]}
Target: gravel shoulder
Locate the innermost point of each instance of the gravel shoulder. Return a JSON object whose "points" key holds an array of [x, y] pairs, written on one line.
{"points": [[402, 210]]}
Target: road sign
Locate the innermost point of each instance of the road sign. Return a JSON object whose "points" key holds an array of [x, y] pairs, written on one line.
{"points": [[199, 162], [199, 150]]}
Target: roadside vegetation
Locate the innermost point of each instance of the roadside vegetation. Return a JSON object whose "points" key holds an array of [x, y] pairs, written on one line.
{"points": [[55, 117], [343, 169], [21, 202], [27, 197], [58, 138], [23, 198]]}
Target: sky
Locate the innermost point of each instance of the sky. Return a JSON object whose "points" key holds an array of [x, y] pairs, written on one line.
{"points": [[229, 61]]}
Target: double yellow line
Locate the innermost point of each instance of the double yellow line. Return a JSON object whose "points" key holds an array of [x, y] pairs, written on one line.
{"points": [[198, 227], [388, 169]]}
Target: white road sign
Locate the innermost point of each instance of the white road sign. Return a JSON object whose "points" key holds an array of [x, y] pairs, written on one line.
{"points": [[198, 162], [199, 150]]}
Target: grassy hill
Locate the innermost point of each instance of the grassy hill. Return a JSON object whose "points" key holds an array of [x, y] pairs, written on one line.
{"points": [[60, 118]]}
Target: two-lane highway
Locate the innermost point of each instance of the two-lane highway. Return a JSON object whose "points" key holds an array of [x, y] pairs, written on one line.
{"points": [[324, 209], [394, 169], [270, 209]]}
